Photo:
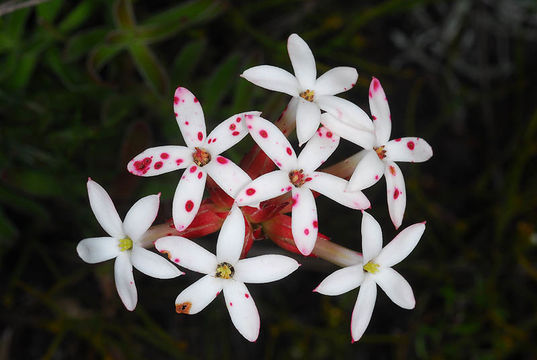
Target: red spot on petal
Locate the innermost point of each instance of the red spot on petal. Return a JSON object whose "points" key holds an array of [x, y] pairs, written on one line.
{"points": [[195, 100], [232, 127], [230, 304], [397, 140], [306, 231], [392, 170], [175, 100], [374, 117], [209, 141], [189, 205], [263, 133], [193, 169], [238, 119], [249, 116], [289, 188], [376, 177], [315, 224], [164, 155], [246, 296], [221, 160], [307, 179], [176, 260], [410, 145], [186, 123], [131, 282], [370, 95], [375, 84], [175, 114], [178, 161], [235, 133], [200, 175], [395, 194], [289, 151], [329, 134], [250, 191], [158, 165], [200, 135]]}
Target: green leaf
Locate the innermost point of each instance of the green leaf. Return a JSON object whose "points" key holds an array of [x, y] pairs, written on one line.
{"points": [[150, 68], [80, 44], [221, 80], [187, 60], [24, 70], [77, 17], [48, 10], [124, 14], [16, 24], [36, 183], [102, 54]]}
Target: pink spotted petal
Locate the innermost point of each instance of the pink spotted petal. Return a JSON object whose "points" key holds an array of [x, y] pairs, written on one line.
{"points": [[334, 187], [104, 210], [242, 309], [308, 118], [363, 308], [303, 61], [160, 160], [323, 143], [368, 171], [336, 80], [189, 116], [396, 192], [264, 268], [228, 133], [344, 110], [187, 254], [197, 296], [265, 187], [371, 237], [363, 138], [409, 149], [125, 281], [401, 246], [231, 238], [229, 176], [188, 196], [304, 220], [342, 280], [272, 78], [380, 111], [140, 217], [396, 287], [153, 264]]}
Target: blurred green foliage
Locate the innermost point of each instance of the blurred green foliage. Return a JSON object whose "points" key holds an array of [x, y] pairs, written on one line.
{"points": [[85, 85]]}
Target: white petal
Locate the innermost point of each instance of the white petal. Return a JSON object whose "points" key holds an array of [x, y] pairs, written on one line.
{"points": [[95, 250], [229, 176], [341, 281], [334, 187], [140, 216], [371, 237], [273, 142], [272, 78], [380, 111], [188, 196], [189, 116], [267, 186], [242, 309], [152, 264], [104, 210], [264, 268], [318, 149], [304, 220], [336, 80], [396, 287], [160, 160], [396, 192], [302, 60], [228, 133], [286, 122], [408, 149], [363, 138], [368, 171], [363, 309], [401, 245], [308, 118], [187, 254], [197, 296], [125, 281], [345, 111], [231, 238]]}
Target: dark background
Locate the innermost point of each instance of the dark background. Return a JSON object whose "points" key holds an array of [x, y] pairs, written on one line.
{"points": [[84, 87]]}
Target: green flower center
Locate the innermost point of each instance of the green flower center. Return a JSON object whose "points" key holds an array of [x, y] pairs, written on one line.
{"points": [[371, 267], [308, 95], [125, 244], [224, 270]]}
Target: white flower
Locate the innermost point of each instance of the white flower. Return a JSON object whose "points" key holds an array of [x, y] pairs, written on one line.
{"points": [[298, 175], [380, 158], [200, 156], [377, 270], [124, 242], [225, 271], [311, 95]]}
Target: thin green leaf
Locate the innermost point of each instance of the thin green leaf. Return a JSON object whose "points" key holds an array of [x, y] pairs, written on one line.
{"points": [[77, 17], [185, 63], [217, 86], [80, 44], [48, 10], [150, 68]]}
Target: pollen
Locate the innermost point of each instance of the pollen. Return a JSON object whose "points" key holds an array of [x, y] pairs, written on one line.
{"points": [[308, 95], [201, 157], [297, 177], [371, 267], [125, 244], [380, 152], [183, 308], [224, 270]]}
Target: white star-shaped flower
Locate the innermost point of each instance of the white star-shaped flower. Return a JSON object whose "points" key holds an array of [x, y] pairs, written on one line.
{"points": [[225, 271], [311, 95], [298, 175], [200, 157], [380, 158], [124, 242], [376, 269]]}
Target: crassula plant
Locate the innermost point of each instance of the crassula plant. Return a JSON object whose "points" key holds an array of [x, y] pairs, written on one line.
{"points": [[269, 195]]}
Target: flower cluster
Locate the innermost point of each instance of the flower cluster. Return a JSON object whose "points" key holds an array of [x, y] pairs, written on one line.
{"points": [[252, 200]]}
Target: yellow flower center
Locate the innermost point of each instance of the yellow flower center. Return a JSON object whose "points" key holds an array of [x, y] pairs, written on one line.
{"points": [[201, 157], [308, 95], [224, 270], [125, 244], [297, 177], [371, 267], [380, 152]]}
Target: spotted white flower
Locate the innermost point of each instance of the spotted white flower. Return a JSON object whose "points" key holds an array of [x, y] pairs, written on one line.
{"points": [[311, 95], [201, 157], [298, 175], [225, 271], [375, 269], [123, 244], [380, 159]]}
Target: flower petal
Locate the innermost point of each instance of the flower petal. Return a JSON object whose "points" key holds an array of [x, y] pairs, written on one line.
{"points": [[229, 176], [187, 254], [188, 196], [228, 133], [396, 287], [152, 264], [401, 245], [371, 237], [125, 281], [197, 296], [104, 210], [272, 78], [140, 216], [380, 110], [318, 149], [96, 250], [273, 142], [345, 111], [363, 308], [408, 149], [302, 60], [242, 309], [267, 186], [304, 220], [341, 281], [308, 118], [334, 187], [160, 160], [368, 171], [396, 192], [363, 138], [336, 80], [231, 238], [264, 268], [189, 116], [287, 120]]}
